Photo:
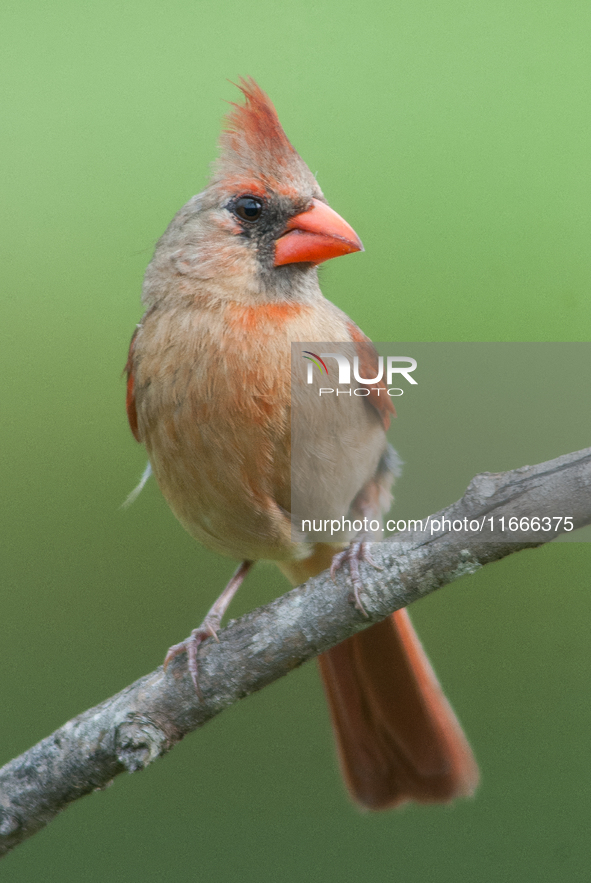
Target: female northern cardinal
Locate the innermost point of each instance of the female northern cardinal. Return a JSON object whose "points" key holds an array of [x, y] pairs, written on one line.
{"points": [[232, 283]]}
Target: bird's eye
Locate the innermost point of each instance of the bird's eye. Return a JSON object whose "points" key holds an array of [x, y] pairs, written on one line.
{"points": [[248, 208]]}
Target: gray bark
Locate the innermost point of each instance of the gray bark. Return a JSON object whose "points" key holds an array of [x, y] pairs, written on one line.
{"points": [[145, 720]]}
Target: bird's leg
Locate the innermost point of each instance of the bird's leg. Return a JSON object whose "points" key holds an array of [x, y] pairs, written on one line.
{"points": [[358, 548], [209, 626]]}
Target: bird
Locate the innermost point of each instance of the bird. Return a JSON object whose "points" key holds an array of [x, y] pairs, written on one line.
{"points": [[233, 283]]}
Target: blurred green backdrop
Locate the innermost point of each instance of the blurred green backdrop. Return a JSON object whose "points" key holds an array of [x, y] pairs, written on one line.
{"points": [[455, 137]]}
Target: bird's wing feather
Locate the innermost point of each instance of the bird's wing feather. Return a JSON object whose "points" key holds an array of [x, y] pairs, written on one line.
{"points": [[368, 367], [130, 398]]}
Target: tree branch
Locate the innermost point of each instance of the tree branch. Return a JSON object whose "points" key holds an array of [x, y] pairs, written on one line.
{"points": [[145, 720]]}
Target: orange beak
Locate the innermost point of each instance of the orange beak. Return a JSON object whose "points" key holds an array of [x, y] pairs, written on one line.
{"points": [[315, 236]]}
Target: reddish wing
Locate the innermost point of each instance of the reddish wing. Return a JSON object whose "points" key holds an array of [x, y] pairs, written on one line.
{"points": [[129, 399], [368, 367]]}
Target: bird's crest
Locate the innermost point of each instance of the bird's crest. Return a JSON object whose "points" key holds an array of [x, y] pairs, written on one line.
{"points": [[254, 145]]}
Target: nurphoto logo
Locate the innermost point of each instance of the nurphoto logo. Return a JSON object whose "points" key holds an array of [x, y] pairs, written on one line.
{"points": [[395, 365]]}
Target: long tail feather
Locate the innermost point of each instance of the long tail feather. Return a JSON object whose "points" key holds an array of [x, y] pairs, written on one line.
{"points": [[397, 736]]}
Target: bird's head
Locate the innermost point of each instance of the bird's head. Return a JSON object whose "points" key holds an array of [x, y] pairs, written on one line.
{"points": [[261, 226]]}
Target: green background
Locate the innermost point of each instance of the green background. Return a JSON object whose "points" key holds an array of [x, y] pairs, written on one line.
{"points": [[455, 137]]}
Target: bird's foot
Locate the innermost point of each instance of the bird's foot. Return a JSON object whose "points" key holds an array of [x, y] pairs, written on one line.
{"points": [[209, 627], [356, 551], [190, 646]]}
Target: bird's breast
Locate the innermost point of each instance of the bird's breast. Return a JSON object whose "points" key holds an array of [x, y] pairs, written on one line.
{"points": [[213, 399], [212, 395]]}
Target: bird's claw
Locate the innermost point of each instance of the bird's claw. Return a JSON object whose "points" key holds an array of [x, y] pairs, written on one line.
{"points": [[355, 552], [190, 646], [208, 628]]}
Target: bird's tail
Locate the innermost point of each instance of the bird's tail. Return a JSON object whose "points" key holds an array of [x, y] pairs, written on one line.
{"points": [[397, 736]]}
